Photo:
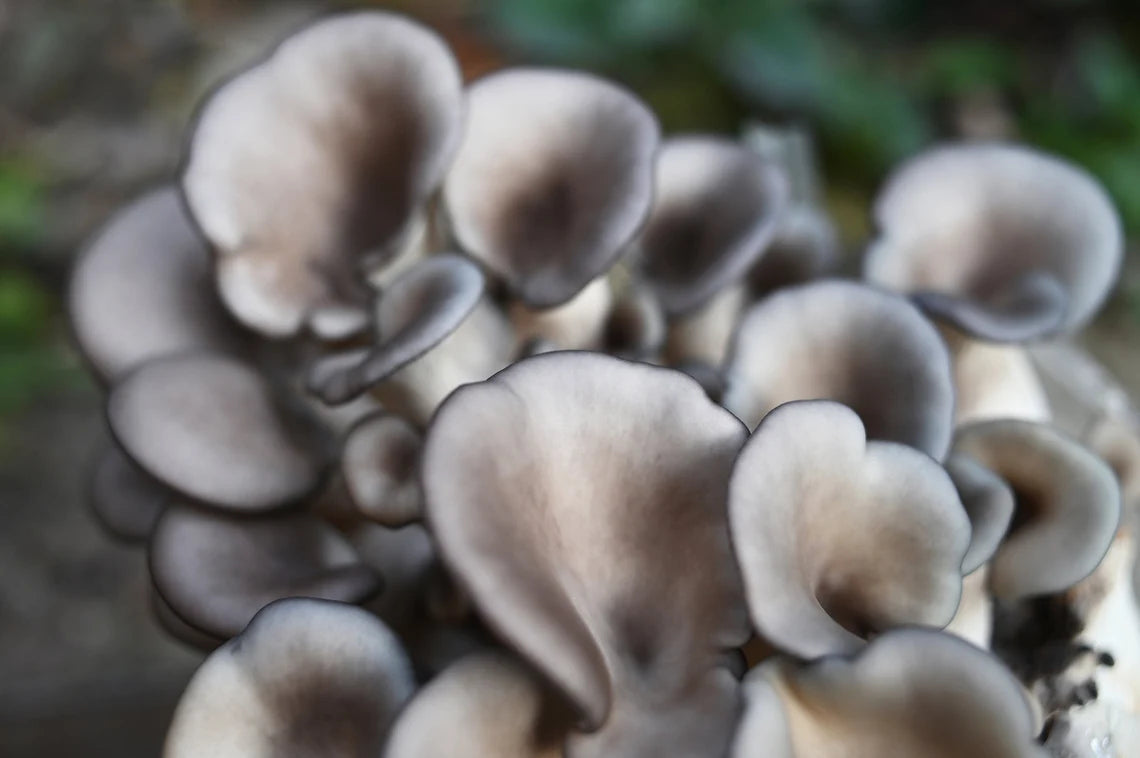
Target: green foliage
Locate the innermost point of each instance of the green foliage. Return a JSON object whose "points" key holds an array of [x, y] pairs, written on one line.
{"points": [[22, 204]]}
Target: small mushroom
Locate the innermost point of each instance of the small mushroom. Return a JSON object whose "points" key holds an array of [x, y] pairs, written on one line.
{"points": [[305, 678], [578, 324], [635, 327], [834, 340], [573, 522], [305, 169], [803, 248], [554, 178], [1067, 505], [144, 288], [125, 500], [380, 466], [1003, 242], [214, 429], [840, 539], [911, 692], [705, 335], [433, 332], [487, 704], [216, 571], [716, 208]]}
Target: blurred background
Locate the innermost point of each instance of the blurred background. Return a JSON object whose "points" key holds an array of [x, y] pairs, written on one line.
{"points": [[95, 96]]}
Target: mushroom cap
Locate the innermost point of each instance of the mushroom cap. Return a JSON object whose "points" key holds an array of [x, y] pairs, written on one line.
{"points": [[835, 340], [554, 177], [1003, 242], [716, 207], [838, 538], [216, 571], [593, 486], [804, 247], [125, 500], [144, 287], [318, 155], [911, 692], [213, 429], [989, 505], [380, 464], [1067, 504], [306, 678], [417, 312], [487, 704]]}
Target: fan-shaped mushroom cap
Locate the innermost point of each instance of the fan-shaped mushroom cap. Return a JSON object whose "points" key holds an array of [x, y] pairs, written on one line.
{"points": [[839, 538], [989, 504], [308, 161], [124, 499], [554, 177], [910, 693], [145, 288], [804, 248], [578, 324], [485, 705], [213, 429], [1003, 242], [380, 464], [1067, 504], [174, 626], [716, 207], [216, 571], [305, 678], [417, 312], [834, 340], [994, 381], [594, 487]]}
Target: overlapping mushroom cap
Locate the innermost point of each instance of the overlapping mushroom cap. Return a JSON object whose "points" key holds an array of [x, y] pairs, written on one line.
{"points": [[574, 494], [1067, 504], [911, 693], [303, 165], [838, 538], [1001, 241], [716, 207], [842, 341], [554, 177], [144, 288], [305, 678]]}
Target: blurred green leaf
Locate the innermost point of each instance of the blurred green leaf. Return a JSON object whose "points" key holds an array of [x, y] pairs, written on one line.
{"points": [[22, 204]]}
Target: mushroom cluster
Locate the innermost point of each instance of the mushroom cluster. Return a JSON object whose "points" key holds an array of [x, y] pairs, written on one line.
{"points": [[482, 420]]}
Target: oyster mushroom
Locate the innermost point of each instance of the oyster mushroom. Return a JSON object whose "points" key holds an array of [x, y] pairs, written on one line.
{"points": [[910, 692], [595, 486], [1067, 505], [486, 704], [214, 429], [834, 340], [804, 247], [215, 571], [144, 288], [380, 465], [994, 381], [578, 324], [705, 335], [124, 498], [716, 208], [553, 179], [305, 169], [433, 332], [1002, 242], [305, 678], [840, 539]]}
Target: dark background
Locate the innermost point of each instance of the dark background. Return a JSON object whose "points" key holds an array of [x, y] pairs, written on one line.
{"points": [[94, 99]]}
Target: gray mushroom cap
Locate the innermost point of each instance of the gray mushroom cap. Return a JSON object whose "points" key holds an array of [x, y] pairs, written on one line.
{"points": [[314, 160], [839, 539], [1067, 505], [144, 287], [213, 429], [487, 704], [418, 311], [911, 692], [1003, 242], [553, 179], [834, 340], [572, 523], [716, 207], [123, 497], [989, 504], [380, 465], [804, 247], [216, 571], [305, 678]]}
